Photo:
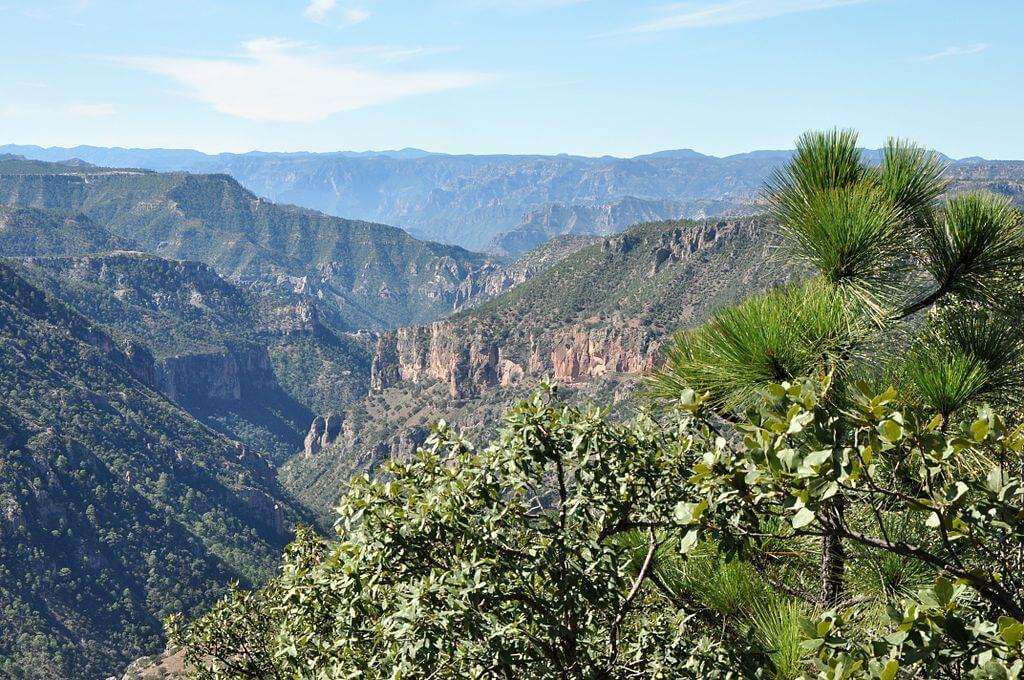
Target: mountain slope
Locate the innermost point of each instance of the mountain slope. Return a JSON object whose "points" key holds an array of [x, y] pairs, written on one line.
{"points": [[470, 200], [27, 231], [116, 507], [250, 365], [594, 321], [465, 200], [602, 219], [362, 275]]}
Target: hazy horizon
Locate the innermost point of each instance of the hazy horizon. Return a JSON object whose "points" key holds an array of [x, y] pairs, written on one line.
{"points": [[5, 147]]}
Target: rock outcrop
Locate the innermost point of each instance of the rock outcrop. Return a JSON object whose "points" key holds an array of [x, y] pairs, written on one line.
{"points": [[467, 364], [225, 376], [464, 355], [323, 431]]}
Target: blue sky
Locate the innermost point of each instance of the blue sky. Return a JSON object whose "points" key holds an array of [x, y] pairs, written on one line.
{"points": [[620, 77]]}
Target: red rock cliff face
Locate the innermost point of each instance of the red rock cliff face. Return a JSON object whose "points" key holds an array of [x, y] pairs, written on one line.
{"points": [[466, 364], [579, 354], [469, 358]]}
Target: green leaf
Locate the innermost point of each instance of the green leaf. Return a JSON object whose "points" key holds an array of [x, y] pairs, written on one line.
{"points": [[943, 590], [979, 430], [688, 513], [816, 458], [890, 430], [1011, 630], [688, 540], [803, 517]]}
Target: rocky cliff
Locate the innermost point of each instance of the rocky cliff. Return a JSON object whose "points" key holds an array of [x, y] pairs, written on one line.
{"points": [[469, 353], [594, 321], [469, 364], [226, 376]]}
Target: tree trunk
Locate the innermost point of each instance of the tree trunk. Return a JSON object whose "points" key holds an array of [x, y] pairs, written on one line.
{"points": [[833, 556]]}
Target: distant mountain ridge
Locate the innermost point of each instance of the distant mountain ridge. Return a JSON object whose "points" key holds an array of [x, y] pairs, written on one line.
{"points": [[471, 200], [604, 219], [361, 275]]}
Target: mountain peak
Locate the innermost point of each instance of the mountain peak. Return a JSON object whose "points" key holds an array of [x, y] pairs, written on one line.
{"points": [[675, 153]]}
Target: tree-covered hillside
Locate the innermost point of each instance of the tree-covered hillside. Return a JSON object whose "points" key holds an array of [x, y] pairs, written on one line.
{"points": [[255, 366], [362, 275], [116, 507], [594, 321], [28, 231]]}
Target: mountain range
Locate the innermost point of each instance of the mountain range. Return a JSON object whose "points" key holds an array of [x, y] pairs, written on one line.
{"points": [[503, 204], [190, 369]]}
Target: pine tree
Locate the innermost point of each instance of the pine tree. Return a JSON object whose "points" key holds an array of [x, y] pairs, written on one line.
{"points": [[903, 286]]}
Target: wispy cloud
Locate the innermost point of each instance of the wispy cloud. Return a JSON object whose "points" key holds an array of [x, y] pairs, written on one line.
{"points": [[515, 7], [286, 81], [92, 109], [341, 13], [73, 109], [702, 15], [956, 52]]}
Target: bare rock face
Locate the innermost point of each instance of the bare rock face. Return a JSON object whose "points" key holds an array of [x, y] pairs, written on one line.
{"points": [[468, 356], [579, 354], [323, 431], [262, 468], [222, 376], [468, 364], [489, 282], [263, 506]]}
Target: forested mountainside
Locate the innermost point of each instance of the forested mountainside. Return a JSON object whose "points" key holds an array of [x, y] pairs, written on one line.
{"points": [[604, 219], [114, 359], [593, 322], [116, 507], [473, 201], [28, 231], [466, 200], [254, 366], [361, 275]]}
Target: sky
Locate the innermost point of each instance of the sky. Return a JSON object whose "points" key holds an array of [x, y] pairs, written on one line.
{"points": [[589, 77]]}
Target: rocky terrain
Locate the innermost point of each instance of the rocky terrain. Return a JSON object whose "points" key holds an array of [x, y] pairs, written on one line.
{"points": [[594, 322]]}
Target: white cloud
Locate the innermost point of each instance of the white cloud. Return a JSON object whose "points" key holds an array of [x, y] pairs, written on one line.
{"points": [[317, 10], [281, 80], [956, 52], [74, 109], [703, 15], [92, 109], [347, 14]]}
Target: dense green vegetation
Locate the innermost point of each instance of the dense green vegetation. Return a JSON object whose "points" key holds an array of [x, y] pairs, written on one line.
{"points": [[116, 507], [210, 336], [824, 489], [362, 275], [28, 231]]}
